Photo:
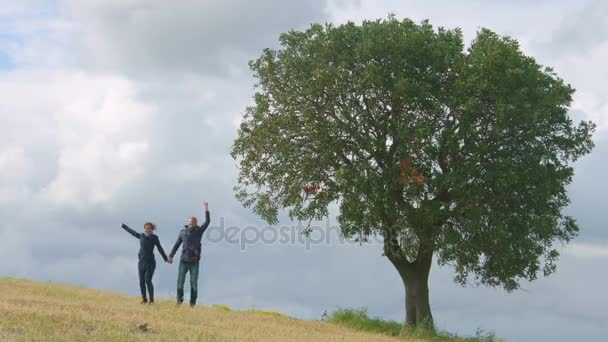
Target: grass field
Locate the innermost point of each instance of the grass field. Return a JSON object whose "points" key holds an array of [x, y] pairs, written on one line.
{"points": [[32, 311], [49, 312]]}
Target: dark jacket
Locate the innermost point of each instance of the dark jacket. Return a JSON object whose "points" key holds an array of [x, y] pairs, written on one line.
{"points": [[191, 238], [146, 245]]}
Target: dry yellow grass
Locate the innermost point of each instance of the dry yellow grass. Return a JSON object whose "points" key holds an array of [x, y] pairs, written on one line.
{"points": [[31, 311]]}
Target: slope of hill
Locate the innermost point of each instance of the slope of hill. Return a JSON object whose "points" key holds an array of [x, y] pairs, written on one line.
{"points": [[46, 311]]}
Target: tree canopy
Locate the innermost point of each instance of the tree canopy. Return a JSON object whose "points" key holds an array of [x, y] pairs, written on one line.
{"points": [[461, 154]]}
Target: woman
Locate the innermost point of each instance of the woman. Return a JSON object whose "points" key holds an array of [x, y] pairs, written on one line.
{"points": [[147, 264]]}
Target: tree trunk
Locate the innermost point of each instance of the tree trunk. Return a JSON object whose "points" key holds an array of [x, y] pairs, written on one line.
{"points": [[415, 276], [418, 309]]}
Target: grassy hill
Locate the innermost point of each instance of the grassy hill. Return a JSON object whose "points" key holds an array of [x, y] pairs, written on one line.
{"points": [[46, 311]]}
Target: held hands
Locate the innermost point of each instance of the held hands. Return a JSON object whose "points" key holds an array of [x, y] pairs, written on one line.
{"points": [[169, 260]]}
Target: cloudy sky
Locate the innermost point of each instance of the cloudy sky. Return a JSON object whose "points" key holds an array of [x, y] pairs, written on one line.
{"points": [[118, 111]]}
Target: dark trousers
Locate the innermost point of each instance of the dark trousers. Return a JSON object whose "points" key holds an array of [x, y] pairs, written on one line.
{"points": [[146, 272], [185, 267]]}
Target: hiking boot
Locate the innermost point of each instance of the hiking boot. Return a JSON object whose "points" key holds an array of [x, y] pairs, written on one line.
{"points": [[144, 301]]}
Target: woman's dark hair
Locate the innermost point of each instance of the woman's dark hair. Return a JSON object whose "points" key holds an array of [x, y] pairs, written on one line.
{"points": [[150, 224]]}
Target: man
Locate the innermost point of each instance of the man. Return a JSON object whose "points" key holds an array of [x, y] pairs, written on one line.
{"points": [[190, 236]]}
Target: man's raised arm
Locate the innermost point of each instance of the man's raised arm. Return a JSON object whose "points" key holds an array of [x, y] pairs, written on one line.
{"points": [[207, 218]]}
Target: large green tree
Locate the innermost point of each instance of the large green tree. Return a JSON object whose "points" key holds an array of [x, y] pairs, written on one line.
{"points": [[461, 155]]}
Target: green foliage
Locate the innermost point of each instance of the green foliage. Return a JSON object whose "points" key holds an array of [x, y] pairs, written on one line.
{"points": [[358, 319], [269, 313], [463, 152], [221, 307]]}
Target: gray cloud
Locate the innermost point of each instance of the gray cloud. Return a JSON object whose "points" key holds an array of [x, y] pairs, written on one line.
{"points": [[587, 194], [202, 37], [581, 30]]}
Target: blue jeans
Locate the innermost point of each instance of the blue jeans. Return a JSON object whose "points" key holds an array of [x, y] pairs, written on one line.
{"points": [[185, 267]]}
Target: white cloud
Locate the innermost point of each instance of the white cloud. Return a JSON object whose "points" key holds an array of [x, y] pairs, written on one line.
{"points": [[13, 163], [189, 171], [594, 107], [92, 172], [587, 250], [102, 130], [96, 125], [14, 170]]}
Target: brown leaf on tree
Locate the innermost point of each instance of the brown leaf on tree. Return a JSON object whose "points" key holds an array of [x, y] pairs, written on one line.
{"points": [[311, 189], [405, 164], [420, 180]]}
